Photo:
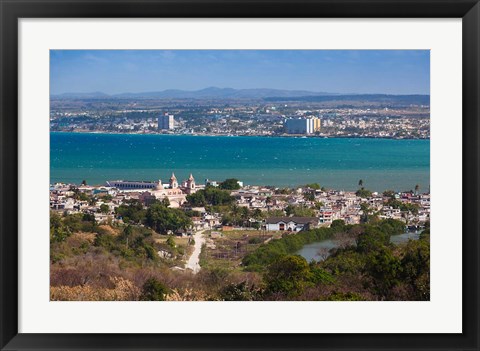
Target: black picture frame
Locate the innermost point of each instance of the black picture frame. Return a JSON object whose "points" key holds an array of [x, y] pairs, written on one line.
{"points": [[11, 11]]}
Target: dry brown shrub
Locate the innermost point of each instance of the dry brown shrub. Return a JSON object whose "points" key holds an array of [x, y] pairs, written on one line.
{"points": [[67, 277], [140, 275], [124, 290], [344, 240], [93, 269], [187, 295], [90, 237], [346, 284], [401, 292], [108, 229]]}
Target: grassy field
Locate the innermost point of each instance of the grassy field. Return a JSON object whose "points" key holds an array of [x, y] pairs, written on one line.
{"points": [[228, 251]]}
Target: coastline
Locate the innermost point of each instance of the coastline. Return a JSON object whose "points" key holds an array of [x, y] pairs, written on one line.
{"points": [[241, 135]]}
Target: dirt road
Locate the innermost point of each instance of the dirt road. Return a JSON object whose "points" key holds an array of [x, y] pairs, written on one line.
{"points": [[194, 259]]}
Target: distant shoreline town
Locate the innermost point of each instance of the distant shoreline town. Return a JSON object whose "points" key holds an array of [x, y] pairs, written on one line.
{"points": [[361, 116], [304, 126]]}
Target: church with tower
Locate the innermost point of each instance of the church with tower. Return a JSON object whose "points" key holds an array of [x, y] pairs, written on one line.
{"points": [[189, 186], [176, 193]]}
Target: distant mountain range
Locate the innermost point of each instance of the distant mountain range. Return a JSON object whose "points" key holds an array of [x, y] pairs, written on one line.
{"points": [[365, 98], [230, 93], [207, 93]]}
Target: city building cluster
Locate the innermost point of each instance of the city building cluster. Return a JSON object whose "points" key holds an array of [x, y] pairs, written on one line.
{"points": [[280, 209], [243, 118]]}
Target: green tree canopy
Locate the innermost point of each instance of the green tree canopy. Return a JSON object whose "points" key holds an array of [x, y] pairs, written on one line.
{"points": [[299, 211], [338, 223], [104, 208], [309, 196], [58, 230], [372, 239], [416, 267], [131, 212], [384, 268], [171, 242], [197, 198], [162, 219], [288, 275], [364, 193], [230, 184], [210, 196], [153, 290], [389, 193]]}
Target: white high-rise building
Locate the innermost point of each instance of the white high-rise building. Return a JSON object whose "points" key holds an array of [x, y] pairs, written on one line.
{"points": [[302, 125], [310, 127], [166, 122]]}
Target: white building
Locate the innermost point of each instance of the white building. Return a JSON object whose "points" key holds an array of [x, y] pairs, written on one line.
{"points": [[302, 125], [292, 224], [130, 185], [166, 122], [326, 215]]}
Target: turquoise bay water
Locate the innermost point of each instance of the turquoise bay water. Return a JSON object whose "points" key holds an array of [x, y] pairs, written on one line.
{"points": [[334, 163]]}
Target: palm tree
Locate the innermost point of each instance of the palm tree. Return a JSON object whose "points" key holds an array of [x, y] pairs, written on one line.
{"points": [[417, 187], [360, 183]]}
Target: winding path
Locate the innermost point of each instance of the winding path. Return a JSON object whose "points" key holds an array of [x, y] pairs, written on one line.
{"points": [[193, 262]]}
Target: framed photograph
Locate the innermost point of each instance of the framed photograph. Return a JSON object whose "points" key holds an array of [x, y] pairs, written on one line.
{"points": [[225, 175]]}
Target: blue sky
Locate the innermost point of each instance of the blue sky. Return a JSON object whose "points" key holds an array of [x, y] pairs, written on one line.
{"points": [[335, 71]]}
